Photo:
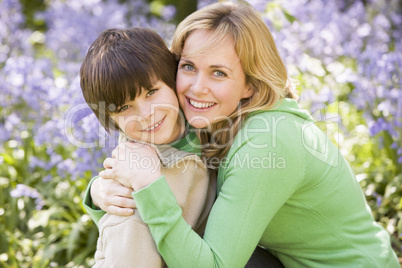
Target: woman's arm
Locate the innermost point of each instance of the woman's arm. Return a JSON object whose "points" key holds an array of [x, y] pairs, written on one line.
{"points": [[93, 211], [249, 197]]}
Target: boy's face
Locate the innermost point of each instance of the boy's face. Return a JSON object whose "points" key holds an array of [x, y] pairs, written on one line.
{"points": [[151, 117]]}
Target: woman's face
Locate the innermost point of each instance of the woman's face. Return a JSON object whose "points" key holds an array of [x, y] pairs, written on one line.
{"points": [[209, 85]]}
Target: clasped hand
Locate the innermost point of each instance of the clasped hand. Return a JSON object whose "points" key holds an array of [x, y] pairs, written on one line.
{"points": [[132, 166]]}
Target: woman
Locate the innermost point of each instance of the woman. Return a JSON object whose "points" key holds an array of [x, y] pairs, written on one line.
{"points": [[281, 183]]}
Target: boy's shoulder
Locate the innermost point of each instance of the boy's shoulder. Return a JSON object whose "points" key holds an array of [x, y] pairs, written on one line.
{"points": [[186, 149], [170, 156]]}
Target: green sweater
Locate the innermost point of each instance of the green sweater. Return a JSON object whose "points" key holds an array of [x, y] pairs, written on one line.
{"points": [[283, 186], [190, 143]]}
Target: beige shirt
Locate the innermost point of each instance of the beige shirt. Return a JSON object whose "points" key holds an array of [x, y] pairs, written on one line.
{"points": [[127, 241]]}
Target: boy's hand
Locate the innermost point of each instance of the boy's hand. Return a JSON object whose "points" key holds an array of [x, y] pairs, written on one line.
{"points": [[112, 197], [134, 165]]}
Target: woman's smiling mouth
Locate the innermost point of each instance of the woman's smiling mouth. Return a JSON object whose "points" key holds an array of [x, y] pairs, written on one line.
{"points": [[200, 105]]}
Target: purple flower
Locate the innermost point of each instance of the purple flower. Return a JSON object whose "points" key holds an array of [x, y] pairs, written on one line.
{"points": [[203, 3], [47, 178], [24, 190], [260, 5], [378, 199], [36, 162], [168, 12]]}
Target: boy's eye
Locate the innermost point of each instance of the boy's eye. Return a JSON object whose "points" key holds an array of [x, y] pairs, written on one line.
{"points": [[219, 74], [151, 92], [122, 108]]}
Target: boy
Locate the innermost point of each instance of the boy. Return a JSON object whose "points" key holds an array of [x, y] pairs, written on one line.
{"points": [[127, 78]]}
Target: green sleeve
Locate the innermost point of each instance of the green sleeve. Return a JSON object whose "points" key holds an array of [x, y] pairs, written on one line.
{"points": [[95, 213], [250, 193]]}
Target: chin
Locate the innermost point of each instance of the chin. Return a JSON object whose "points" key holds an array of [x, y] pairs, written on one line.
{"points": [[199, 124], [198, 121]]}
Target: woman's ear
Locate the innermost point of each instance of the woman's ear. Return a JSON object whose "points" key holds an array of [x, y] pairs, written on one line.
{"points": [[248, 92]]}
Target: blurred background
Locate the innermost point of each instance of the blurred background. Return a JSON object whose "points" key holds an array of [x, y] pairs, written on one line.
{"points": [[346, 55]]}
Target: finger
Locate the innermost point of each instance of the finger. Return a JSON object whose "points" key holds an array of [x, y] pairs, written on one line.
{"points": [[108, 163], [106, 174], [126, 203], [124, 191], [119, 211]]}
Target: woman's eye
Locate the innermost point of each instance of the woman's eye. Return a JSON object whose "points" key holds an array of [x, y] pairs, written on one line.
{"points": [[122, 108], [187, 67], [219, 74], [151, 92]]}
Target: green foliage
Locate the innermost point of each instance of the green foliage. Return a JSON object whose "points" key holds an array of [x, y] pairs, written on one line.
{"points": [[60, 234], [183, 8], [382, 182], [30, 8]]}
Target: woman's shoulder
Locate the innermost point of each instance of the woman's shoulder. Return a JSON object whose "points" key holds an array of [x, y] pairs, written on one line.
{"points": [[285, 118], [279, 130], [275, 122], [284, 108], [269, 131]]}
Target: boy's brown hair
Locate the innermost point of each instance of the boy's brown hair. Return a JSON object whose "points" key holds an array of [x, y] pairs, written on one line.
{"points": [[119, 65]]}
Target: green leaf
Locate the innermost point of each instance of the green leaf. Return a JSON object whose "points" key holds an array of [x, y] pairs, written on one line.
{"points": [[8, 158], [289, 17]]}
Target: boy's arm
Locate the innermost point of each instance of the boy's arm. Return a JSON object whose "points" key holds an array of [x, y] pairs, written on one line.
{"points": [[93, 211], [193, 189], [126, 242]]}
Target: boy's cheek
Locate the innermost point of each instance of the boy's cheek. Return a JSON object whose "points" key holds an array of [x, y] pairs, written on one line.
{"points": [[131, 125]]}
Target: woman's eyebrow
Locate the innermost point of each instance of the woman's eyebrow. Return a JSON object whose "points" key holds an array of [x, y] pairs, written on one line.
{"points": [[214, 66], [220, 66], [186, 60]]}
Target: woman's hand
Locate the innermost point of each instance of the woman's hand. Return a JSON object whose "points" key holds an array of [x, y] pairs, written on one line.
{"points": [[112, 197], [134, 165]]}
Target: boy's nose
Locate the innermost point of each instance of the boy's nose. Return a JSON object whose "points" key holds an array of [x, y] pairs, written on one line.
{"points": [[145, 110], [145, 113]]}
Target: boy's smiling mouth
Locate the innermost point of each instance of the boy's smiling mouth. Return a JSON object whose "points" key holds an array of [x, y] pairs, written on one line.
{"points": [[155, 125]]}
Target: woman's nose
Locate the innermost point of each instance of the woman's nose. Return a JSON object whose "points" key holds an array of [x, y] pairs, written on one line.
{"points": [[200, 84]]}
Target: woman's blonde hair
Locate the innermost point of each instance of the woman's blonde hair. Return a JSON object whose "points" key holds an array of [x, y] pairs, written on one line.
{"points": [[263, 67]]}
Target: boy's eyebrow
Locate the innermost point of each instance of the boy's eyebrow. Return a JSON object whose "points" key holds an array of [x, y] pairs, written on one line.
{"points": [[219, 66]]}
